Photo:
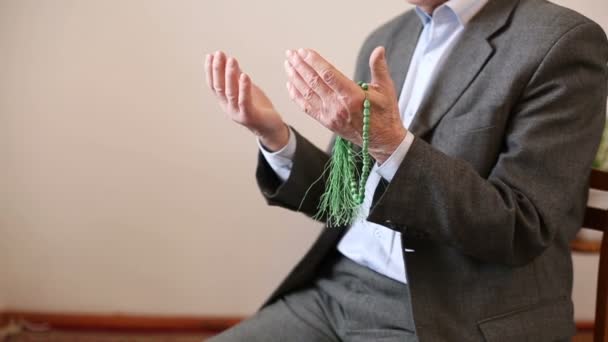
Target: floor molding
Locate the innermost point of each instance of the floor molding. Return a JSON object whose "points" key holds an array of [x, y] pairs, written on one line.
{"points": [[585, 325], [134, 322], [124, 322], [3, 319]]}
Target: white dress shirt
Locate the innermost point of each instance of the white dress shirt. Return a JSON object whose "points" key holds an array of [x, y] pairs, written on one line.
{"points": [[369, 244]]}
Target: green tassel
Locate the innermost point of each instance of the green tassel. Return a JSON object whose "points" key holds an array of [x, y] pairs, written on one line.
{"points": [[344, 188], [339, 204]]}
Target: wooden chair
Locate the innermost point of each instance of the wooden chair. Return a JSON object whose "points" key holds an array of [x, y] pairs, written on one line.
{"points": [[597, 219]]}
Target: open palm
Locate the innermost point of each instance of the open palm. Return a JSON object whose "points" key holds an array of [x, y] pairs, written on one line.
{"points": [[243, 101]]}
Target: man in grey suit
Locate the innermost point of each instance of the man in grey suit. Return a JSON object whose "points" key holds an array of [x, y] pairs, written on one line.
{"points": [[486, 116]]}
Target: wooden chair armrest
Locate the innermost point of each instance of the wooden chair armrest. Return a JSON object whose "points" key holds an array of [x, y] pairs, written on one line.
{"points": [[586, 246]]}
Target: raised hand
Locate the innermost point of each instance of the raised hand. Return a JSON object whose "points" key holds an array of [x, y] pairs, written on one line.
{"points": [[244, 102], [334, 100]]}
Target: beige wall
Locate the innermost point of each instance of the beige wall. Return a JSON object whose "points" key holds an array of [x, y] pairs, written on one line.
{"points": [[4, 181], [3, 290], [126, 189]]}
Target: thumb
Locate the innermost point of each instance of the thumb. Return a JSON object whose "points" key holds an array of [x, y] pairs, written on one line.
{"points": [[379, 68]]}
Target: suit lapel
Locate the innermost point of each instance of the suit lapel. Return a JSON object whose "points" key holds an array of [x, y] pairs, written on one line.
{"points": [[466, 60], [460, 69]]}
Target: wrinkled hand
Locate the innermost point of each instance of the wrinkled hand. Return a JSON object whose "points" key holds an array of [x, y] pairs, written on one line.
{"points": [[244, 102], [334, 100]]}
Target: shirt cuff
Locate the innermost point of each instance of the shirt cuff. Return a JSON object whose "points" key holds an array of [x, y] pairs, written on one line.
{"points": [[281, 161], [389, 168]]}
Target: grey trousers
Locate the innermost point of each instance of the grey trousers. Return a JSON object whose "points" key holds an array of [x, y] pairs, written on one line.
{"points": [[348, 302]]}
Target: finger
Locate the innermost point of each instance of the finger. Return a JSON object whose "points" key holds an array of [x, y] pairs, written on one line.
{"points": [[379, 68], [330, 75], [298, 98], [298, 82], [233, 73], [244, 97], [309, 75], [219, 70], [209, 70]]}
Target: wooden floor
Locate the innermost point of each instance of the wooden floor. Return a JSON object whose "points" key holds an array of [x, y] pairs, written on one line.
{"points": [[88, 336], [92, 336], [583, 337]]}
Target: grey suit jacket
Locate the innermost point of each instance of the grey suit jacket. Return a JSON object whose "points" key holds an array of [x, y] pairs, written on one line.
{"points": [[495, 184]]}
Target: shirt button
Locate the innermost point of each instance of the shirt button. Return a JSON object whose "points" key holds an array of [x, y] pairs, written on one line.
{"points": [[377, 233]]}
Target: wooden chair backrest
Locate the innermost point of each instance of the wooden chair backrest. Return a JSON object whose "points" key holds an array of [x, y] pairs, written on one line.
{"points": [[597, 219]]}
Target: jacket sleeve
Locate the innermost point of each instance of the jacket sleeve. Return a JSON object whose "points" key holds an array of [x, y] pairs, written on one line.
{"points": [[537, 188], [303, 189]]}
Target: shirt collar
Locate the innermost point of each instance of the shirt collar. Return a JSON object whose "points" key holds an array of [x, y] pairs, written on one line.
{"points": [[464, 10]]}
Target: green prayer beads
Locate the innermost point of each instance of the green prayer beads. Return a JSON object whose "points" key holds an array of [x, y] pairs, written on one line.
{"points": [[360, 192], [343, 193]]}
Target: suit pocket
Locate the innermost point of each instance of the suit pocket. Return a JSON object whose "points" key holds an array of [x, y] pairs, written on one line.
{"points": [[465, 124], [547, 321], [475, 130]]}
